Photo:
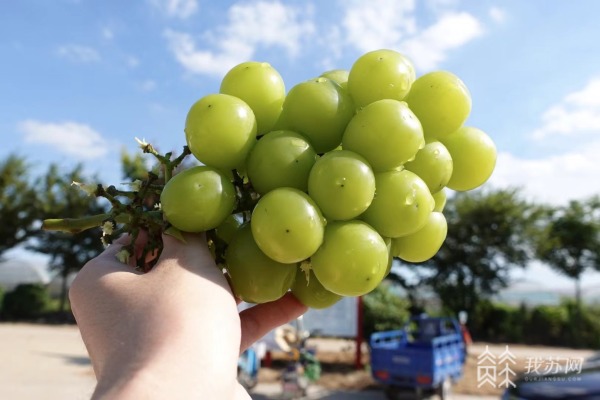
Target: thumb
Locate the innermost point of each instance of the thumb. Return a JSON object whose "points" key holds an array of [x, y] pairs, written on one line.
{"points": [[190, 253]]}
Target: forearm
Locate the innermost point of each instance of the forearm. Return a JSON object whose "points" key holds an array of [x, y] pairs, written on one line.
{"points": [[166, 350], [164, 380]]}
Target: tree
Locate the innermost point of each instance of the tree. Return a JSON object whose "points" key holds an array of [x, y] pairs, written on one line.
{"points": [[17, 203], [570, 243], [135, 166], [384, 309], [58, 198], [488, 235]]}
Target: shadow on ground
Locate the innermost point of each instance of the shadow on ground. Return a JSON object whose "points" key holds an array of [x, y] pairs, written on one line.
{"points": [[69, 359]]}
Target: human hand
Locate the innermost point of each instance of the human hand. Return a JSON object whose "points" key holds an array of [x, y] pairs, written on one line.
{"points": [[174, 332]]}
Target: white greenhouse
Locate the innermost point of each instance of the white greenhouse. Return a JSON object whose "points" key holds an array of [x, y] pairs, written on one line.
{"points": [[14, 272]]}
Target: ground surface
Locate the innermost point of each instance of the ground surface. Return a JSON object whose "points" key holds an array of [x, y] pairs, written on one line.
{"points": [[337, 359], [50, 362]]}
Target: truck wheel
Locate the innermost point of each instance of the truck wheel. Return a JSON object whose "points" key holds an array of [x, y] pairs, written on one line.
{"points": [[392, 393], [398, 393], [445, 389]]}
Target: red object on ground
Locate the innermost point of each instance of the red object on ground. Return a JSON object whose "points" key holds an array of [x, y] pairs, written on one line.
{"points": [[267, 359], [359, 333], [466, 335]]}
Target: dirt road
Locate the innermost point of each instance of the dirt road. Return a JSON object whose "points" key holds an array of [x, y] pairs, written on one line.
{"points": [[51, 363], [43, 362]]}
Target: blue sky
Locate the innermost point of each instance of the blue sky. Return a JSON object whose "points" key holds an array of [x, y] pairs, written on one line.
{"points": [[80, 79]]}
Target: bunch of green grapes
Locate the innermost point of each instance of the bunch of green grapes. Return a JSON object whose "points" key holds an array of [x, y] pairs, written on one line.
{"points": [[316, 190]]}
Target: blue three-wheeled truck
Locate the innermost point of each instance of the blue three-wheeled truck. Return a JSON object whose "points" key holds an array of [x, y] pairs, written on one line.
{"points": [[425, 357]]}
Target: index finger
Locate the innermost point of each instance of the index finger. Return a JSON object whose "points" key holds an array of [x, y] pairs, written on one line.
{"points": [[257, 321]]}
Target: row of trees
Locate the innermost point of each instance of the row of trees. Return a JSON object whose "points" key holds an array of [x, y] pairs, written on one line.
{"points": [[26, 200], [490, 232]]}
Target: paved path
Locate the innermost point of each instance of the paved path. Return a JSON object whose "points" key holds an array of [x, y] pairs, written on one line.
{"points": [[51, 363], [43, 362], [273, 392]]}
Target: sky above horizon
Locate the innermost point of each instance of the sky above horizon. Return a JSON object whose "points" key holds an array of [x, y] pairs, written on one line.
{"points": [[80, 79]]}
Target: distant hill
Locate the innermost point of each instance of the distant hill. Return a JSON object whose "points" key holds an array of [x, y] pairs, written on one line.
{"points": [[535, 293]]}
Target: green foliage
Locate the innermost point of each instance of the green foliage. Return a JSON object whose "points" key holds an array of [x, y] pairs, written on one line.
{"points": [[546, 325], [540, 325], [134, 166], [57, 199], [25, 302], [570, 241], [383, 310], [489, 233], [18, 210], [497, 322]]}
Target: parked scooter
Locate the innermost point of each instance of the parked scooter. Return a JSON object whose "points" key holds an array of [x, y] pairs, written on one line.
{"points": [[303, 368], [247, 370]]}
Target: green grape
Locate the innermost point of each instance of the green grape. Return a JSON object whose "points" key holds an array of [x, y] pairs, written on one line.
{"points": [[474, 156], [352, 260], [254, 277], [380, 74], [278, 159], [388, 243], [228, 227], [401, 205], [339, 76], [425, 243], [342, 184], [386, 133], [441, 101], [220, 130], [197, 199], [433, 164], [261, 87], [319, 109], [311, 293], [440, 200], [287, 225]]}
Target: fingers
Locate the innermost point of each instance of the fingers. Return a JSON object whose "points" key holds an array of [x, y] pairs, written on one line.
{"points": [[95, 271], [192, 254], [260, 319], [108, 258], [173, 247]]}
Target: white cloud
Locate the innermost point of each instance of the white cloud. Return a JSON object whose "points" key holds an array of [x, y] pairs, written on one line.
{"points": [[77, 53], [249, 26], [378, 23], [497, 14], [555, 179], [441, 5], [72, 138], [578, 113], [107, 33], [392, 24], [132, 61], [430, 47], [176, 8], [147, 85], [197, 61]]}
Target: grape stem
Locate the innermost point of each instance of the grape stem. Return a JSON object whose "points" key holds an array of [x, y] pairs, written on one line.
{"points": [[76, 225], [165, 160], [133, 215]]}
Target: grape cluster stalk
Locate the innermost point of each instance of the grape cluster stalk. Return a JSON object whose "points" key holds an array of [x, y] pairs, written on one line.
{"points": [[314, 190]]}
